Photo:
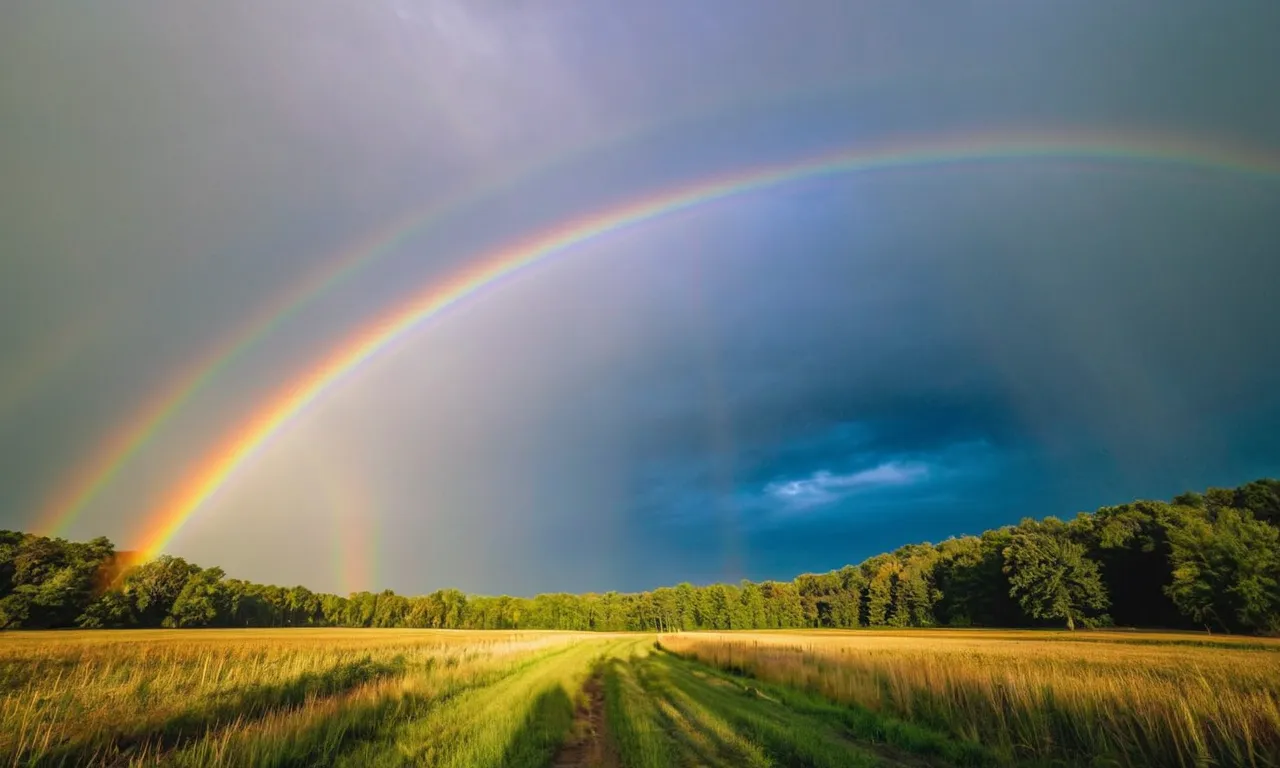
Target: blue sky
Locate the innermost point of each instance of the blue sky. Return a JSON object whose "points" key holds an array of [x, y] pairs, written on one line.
{"points": [[785, 382]]}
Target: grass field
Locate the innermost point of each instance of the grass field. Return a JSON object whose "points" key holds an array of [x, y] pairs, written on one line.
{"points": [[1132, 699], [451, 698]]}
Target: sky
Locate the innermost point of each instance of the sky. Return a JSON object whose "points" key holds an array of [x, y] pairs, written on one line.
{"points": [[782, 381]]}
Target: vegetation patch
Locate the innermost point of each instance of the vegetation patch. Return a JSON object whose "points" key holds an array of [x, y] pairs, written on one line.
{"points": [[943, 694]]}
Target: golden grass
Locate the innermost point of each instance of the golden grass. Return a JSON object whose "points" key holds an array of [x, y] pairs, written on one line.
{"points": [[1129, 699], [93, 696], [455, 698]]}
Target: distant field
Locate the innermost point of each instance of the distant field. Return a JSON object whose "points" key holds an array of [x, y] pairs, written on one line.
{"points": [[803, 698]]}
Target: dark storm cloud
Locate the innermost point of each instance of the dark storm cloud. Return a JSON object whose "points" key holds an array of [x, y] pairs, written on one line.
{"points": [[914, 354], [1042, 362]]}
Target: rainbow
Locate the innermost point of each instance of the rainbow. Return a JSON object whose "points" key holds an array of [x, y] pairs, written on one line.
{"points": [[353, 509], [115, 452], [255, 432], [74, 494]]}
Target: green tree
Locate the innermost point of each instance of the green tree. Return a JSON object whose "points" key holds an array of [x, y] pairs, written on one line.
{"points": [[917, 594], [666, 603], [782, 606], [1213, 558], [1050, 575], [201, 602], [48, 582], [1131, 544], [111, 610], [846, 604], [686, 600], [302, 607], [1226, 571], [882, 587], [154, 587], [1262, 498]]}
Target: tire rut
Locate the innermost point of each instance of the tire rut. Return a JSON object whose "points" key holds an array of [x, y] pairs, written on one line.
{"points": [[588, 745]]}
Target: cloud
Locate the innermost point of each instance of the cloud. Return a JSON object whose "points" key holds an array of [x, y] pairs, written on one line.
{"points": [[786, 381], [824, 487]]}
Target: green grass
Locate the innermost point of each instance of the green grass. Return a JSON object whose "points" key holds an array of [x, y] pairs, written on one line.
{"points": [[638, 732], [518, 721], [856, 723], [668, 711]]}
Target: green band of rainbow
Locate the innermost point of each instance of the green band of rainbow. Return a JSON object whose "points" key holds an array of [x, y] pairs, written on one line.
{"points": [[242, 443]]}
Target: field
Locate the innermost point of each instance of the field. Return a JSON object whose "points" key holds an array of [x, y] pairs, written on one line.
{"points": [[454, 698]]}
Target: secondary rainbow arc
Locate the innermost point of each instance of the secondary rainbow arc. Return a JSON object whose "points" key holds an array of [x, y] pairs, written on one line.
{"points": [[75, 493], [364, 345], [89, 478]]}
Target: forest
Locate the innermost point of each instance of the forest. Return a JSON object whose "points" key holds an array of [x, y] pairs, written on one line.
{"points": [[1206, 561]]}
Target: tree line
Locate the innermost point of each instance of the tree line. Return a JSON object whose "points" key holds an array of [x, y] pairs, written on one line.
{"points": [[1208, 561]]}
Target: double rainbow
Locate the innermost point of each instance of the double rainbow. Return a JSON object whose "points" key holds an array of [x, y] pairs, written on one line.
{"points": [[213, 471], [110, 456]]}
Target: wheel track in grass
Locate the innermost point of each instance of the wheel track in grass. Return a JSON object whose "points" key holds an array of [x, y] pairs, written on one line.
{"points": [[590, 744], [897, 741], [712, 739], [519, 721], [598, 702]]}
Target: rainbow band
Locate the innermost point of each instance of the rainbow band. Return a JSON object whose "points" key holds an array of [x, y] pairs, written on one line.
{"points": [[114, 453], [241, 445], [353, 511], [76, 492]]}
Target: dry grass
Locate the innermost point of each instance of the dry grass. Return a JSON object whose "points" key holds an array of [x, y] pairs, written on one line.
{"points": [[1128, 699]]}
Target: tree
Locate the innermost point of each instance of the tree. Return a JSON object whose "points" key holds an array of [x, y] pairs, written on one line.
{"points": [[201, 602], [917, 595], [48, 582], [881, 589], [154, 587], [455, 608], [686, 599], [1131, 544], [752, 605], [782, 606], [111, 610], [362, 607], [302, 607], [1262, 498], [820, 594], [971, 578], [1050, 575], [846, 604], [1226, 571], [1212, 558], [247, 605], [666, 604]]}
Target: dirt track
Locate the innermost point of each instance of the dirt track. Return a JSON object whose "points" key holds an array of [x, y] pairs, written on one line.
{"points": [[589, 743]]}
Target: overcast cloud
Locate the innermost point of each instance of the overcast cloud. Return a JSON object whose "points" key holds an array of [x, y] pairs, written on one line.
{"points": [[786, 381]]}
